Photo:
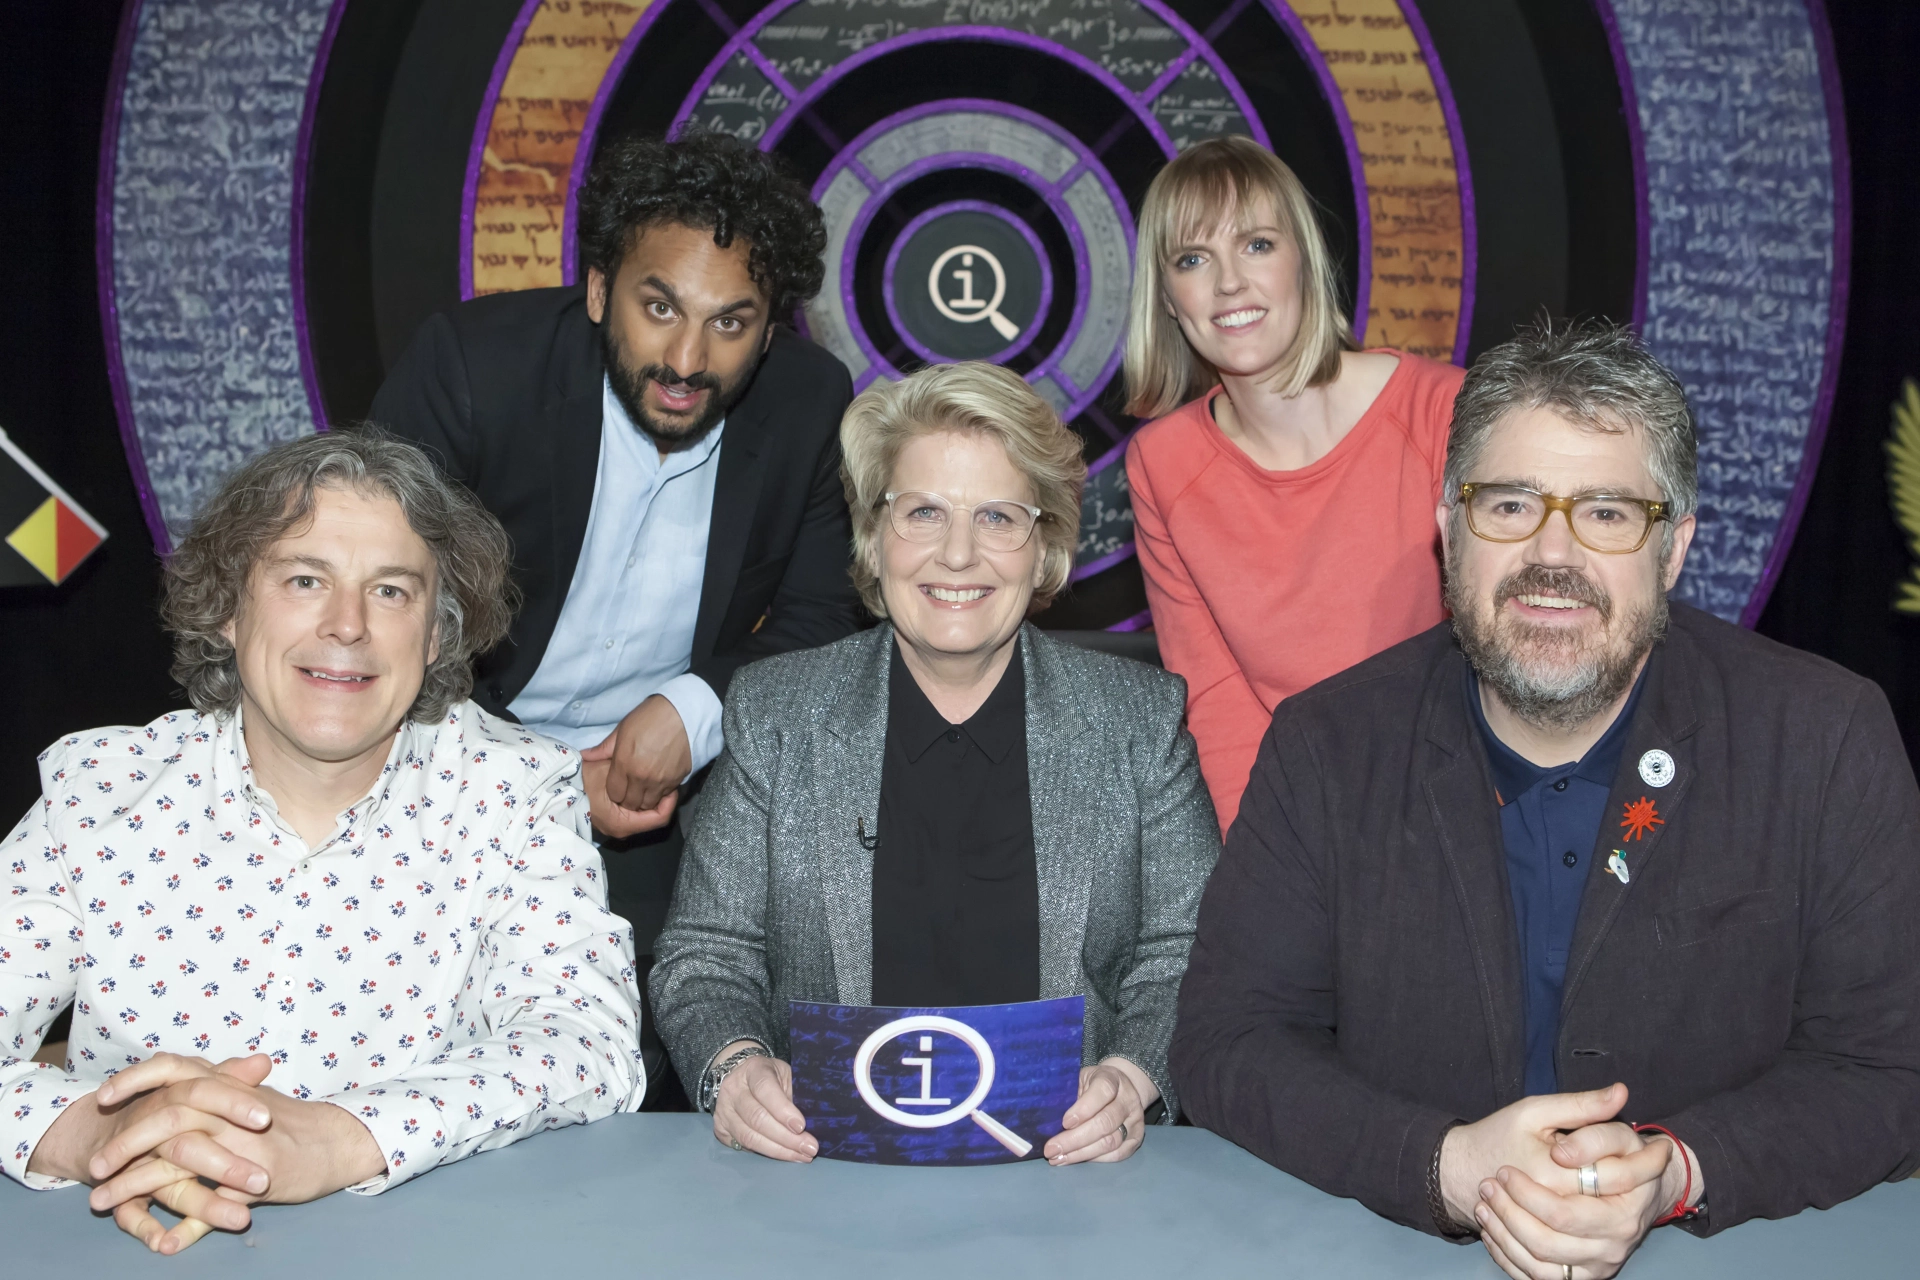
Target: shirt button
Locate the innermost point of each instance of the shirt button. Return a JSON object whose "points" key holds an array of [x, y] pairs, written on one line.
{"points": [[578, 705], [953, 735], [609, 644], [1561, 786], [1570, 858], [632, 560]]}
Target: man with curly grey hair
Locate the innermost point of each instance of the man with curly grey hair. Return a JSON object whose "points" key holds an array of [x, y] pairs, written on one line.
{"points": [[336, 925], [1580, 856]]}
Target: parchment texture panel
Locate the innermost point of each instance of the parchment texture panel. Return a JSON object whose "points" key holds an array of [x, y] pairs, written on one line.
{"points": [[1407, 156], [1742, 202], [201, 223], [520, 191]]}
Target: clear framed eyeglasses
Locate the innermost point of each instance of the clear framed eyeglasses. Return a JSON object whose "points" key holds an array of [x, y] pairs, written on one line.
{"points": [[1611, 524], [998, 525]]}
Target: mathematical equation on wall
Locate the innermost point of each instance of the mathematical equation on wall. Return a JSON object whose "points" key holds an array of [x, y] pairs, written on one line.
{"points": [[1122, 37], [1148, 57]]}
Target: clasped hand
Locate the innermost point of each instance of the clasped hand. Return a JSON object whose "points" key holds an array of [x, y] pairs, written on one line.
{"points": [[754, 1109], [1515, 1177], [205, 1141], [632, 778]]}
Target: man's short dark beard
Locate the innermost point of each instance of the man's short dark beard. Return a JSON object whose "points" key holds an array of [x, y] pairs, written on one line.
{"points": [[630, 386], [1589, 687]]}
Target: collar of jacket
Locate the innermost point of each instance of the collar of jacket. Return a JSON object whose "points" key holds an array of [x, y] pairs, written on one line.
{"points": [[574, 425]]}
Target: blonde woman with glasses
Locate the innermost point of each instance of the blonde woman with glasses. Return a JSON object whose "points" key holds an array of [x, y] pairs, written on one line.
{"points": [[1283, 495], [951, 808]]}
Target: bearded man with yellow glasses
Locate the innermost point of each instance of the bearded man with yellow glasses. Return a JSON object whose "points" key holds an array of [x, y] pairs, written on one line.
{"points": [[1578, 857]]}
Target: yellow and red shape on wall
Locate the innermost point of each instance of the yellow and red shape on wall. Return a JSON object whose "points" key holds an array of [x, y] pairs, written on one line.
{"points": [[47, 533]]}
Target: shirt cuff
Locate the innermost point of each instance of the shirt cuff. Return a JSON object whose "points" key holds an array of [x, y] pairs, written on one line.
{"points": [[407, 1126], [699, 709], [33, 1104]]}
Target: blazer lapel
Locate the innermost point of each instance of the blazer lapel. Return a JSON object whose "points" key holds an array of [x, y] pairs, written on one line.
{"points": [[1666, 720], [736, 496], [576, 470], [573, 427], [847, 794], [1062, 851], [1460, 795]]}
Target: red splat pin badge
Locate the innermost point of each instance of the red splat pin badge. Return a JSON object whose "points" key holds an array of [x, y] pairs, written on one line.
{"points": [[1641, 818]]}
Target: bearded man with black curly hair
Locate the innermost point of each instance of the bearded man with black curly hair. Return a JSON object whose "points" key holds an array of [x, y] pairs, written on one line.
{"points": [[663, 449]]}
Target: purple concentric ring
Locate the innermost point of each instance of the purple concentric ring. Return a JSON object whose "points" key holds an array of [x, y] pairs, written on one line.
{"points": [[1141, 103], [1141, 108], [1836, 314], [1053, 192], [104, 282], [1019, 224], [1462, 173], [918, 169], [297, 258], [583, 148], [1309, 52], [1637, 145], [482, 127]]}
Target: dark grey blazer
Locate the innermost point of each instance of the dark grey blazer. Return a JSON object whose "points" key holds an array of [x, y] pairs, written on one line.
{"points": [[775, 896], [1356, 982]]}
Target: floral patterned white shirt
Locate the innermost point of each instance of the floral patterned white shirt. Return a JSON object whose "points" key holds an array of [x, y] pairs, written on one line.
{"points": [[444, 967]]}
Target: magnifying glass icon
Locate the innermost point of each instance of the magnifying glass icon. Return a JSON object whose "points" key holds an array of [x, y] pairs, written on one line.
{"points": [[966, 309], [969, 1106]]}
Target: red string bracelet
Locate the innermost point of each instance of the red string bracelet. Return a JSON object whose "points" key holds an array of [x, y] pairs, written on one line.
{"points": [[1680, 1211]]}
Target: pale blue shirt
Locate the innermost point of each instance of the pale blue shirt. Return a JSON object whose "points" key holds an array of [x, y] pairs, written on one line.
{"points": [[626, 630]]}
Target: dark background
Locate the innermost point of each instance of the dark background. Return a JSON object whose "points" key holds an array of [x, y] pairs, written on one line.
{"points": [[90, 652]]}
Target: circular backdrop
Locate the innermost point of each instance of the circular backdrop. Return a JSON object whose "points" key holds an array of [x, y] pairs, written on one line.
{"points": [[289, 187]]}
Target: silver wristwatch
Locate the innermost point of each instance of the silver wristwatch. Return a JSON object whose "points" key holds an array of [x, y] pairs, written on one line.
{"points": [[710, 1082]]}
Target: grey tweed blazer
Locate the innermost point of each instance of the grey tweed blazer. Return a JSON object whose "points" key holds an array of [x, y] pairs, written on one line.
{"points": [[775, 895]]}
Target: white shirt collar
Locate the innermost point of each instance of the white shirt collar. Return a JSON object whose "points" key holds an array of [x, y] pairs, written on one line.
{"points": [[233, 770], [619, 433]]}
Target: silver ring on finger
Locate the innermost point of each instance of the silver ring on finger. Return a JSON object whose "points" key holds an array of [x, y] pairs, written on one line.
{"points": [[1123, 1133], [737, 1144], [1566, 1270], [1589, 1183]]}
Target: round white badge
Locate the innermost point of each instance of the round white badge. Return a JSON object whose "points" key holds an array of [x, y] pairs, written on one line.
{"points": [[1656, 768]]}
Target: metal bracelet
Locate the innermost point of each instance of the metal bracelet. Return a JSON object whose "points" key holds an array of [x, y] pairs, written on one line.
{"points": [[718, 1072]]}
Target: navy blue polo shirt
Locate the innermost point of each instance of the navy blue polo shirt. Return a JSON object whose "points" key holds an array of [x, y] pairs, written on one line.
{"points": [[1549, 822]]}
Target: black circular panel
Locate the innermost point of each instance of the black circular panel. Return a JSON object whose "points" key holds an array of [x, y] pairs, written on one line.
{"points": [[967, 283]]}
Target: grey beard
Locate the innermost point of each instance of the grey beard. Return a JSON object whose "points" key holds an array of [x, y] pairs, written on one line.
{"points": [[1565, 699]]}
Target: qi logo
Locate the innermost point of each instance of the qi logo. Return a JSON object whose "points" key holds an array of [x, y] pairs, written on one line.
{"points": [[915, 1111], [967, 280], [968, 309]]}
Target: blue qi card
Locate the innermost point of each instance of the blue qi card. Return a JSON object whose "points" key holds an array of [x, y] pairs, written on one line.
{"points": [[982, 1084]]}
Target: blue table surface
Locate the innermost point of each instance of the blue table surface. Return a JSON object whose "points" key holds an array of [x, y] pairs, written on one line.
{"points": [[655, 1195]]}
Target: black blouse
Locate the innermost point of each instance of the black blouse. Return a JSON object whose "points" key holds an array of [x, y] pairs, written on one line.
{"points": [[956, 898]]}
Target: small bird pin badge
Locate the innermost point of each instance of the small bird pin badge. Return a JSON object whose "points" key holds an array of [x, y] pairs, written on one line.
{"points": [[1618, 865]]}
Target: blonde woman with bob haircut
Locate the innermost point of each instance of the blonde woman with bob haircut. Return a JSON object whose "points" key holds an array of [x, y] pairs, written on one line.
{"points": [[1283, 494], [950, 808]]}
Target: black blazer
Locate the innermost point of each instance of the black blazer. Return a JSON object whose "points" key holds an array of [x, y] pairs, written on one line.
{"points": [[505, 392], [1356, 982]]}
